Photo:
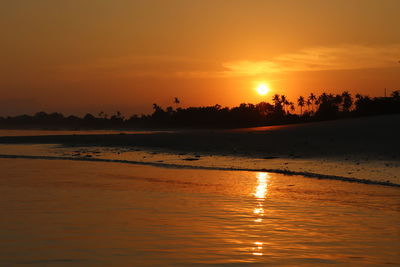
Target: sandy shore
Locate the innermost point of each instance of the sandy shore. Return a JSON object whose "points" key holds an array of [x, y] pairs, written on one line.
{"points": [[361, 148], [369, 137]]}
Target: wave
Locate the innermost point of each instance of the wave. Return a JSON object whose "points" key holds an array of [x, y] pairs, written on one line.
{"points": [[183, 166]]}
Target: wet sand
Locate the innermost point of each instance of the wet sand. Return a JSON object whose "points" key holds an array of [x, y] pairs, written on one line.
{"points": [[102, 214], [352, 139], [361, 148]]}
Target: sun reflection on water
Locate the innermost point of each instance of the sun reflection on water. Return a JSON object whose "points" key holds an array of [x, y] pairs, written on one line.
{"points": [[257, 250], [260, 193], [262, 185]]}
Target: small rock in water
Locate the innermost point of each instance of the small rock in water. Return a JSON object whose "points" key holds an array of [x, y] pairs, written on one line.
{"points": [[190, 159]]}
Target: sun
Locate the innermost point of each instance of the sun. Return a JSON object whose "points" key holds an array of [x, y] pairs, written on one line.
{"points": [[262, 89]]}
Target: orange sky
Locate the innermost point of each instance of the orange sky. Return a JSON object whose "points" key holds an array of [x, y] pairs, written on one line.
{"points": [[78, 56]]}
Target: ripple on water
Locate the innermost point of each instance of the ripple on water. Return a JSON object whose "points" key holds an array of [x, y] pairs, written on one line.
{"points": [[99, 213]]}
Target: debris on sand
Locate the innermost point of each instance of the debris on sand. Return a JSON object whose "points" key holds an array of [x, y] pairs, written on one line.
{"points": [[269, 157]]}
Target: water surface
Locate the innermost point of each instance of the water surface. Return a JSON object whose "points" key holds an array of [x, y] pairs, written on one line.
{"points": [[102, 214]]}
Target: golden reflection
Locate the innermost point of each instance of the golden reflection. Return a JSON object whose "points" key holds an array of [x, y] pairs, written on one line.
{"points": [[257, 250], [258, 211], [260, 193], [262, 186]]}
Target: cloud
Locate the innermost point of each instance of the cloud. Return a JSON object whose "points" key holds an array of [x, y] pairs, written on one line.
{"points": [[347, 57]]}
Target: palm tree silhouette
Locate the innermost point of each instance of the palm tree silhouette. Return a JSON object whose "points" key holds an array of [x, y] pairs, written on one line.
{"points": [[312, 99], [308, 104], [285, 102], [347, 101], [291, 104], [396, 94], [287, 105], [176, 101], [300, 103], [276, 99]]}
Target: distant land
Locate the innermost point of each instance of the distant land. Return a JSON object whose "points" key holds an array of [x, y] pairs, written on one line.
{"points": [[280, 111]]}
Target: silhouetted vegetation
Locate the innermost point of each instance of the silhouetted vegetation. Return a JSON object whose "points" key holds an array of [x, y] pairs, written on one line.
{"points": [[280, 111]]}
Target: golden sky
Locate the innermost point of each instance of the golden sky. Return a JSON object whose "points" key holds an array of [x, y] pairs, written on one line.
{"points": [[78, 56]]}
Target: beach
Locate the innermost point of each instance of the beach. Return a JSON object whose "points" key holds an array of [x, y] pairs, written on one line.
{"points": [[359, 148], [314, 194], [374, 136]]}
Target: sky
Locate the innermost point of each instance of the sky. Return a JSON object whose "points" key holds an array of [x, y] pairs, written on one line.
{"points": [[79, 56]]}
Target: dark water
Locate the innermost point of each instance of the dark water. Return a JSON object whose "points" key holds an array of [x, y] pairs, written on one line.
{"points": [[106, 214]]}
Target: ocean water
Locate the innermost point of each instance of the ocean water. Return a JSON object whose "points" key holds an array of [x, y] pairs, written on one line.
{"points": [[87, 213], [113, 206]]}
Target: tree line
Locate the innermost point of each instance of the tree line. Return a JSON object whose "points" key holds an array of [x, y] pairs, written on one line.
{"points": [[280, 111]]}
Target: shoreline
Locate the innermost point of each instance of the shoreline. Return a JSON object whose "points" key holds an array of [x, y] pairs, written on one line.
{"points": [[373, 137], [365, 149], [181, 166]]}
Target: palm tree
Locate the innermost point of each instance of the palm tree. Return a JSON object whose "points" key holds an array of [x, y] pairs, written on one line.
{"points": [[283, 98], [285, 102], [308, 103], [312, 98], [278, 109], [347, 101], [300, 103], [276, 99], [395, 95], [291, 104], [176, 101], [337, 99]]}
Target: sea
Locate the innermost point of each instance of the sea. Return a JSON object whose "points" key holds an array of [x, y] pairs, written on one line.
{"points": [[116, 206]]}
